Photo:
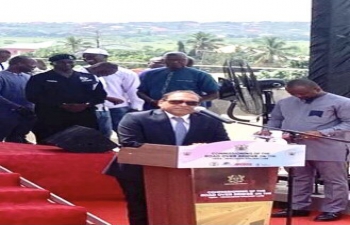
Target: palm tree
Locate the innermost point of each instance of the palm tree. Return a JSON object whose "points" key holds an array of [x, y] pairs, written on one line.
{"points": [[272, 51], [75, 44], [181, 47], [203, 42]]}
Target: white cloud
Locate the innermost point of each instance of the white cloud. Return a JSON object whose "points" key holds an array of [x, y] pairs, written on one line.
{"points": [[156, 10]]}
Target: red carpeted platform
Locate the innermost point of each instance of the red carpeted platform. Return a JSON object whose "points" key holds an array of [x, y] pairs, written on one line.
{"points": [[29, 206], [75, 177]]}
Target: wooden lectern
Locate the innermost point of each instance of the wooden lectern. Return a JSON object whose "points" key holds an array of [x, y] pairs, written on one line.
{"points": [[228, 189]]}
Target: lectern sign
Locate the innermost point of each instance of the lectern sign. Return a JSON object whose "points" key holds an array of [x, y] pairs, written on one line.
{"points": [[240, 154]]}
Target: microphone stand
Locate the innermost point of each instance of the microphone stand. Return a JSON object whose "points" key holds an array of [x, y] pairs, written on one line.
{"points": [[290, 183], [294, 135]]}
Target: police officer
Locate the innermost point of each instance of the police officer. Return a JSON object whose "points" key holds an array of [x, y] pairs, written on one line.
{"points": [[63, 97]]}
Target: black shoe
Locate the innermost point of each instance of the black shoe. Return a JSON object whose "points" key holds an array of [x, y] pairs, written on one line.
{"points": [[295, 213], [328, 216]]}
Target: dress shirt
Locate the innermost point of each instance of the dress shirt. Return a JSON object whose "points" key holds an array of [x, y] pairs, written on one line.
{"points": [[3, 66], [186, 119], [123, 85]]}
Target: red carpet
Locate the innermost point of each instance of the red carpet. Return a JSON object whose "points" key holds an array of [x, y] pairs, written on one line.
{"points": [[112, 211], [72, 176], [28, 206]]}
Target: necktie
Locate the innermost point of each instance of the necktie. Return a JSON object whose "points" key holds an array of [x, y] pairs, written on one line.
{"points": [[167, 82], [2, 67], [180, 130]]}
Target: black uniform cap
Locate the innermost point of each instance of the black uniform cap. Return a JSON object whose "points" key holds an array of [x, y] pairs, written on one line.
{"points": [[58, 57]]}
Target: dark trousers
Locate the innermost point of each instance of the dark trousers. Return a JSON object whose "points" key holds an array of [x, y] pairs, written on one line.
{"points": [[15, 127], [134, 192]]}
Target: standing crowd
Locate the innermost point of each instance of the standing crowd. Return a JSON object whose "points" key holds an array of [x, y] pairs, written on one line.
{"points": [[97, 95], [157, 107]]}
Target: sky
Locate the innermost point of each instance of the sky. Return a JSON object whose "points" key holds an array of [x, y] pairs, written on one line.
{"points": [[156, 10]]}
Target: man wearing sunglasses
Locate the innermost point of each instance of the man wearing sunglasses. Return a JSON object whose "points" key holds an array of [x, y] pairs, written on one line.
{"points": [[160, 126]]}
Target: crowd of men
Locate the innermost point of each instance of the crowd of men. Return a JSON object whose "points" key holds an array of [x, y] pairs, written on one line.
{"points": [[97, 95], [157, 106]]}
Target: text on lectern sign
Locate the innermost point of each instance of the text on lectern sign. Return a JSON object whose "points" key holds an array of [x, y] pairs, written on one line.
{"points": [[240, 154], [234, 184]]}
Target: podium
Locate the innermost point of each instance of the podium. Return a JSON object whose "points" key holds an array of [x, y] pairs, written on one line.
{"points": [[230, 182]]}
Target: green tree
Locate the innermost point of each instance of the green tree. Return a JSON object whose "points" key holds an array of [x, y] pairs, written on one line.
{"points": [[47, 52], [74, 44], [286, 75], [181, 47], [203, 42], [302, 63], [272, 51]]}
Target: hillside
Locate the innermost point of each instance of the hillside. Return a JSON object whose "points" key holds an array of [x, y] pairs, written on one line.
{"points": [[291, 31]]}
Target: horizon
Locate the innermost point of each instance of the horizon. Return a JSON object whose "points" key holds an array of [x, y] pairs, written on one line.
{"points": [[128, 11], [163, 22]]}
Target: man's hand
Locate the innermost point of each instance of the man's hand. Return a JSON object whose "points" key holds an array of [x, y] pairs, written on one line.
{"points": [[73, 107], [263, 132], [114, 100], [315, 135], [291, 138]]}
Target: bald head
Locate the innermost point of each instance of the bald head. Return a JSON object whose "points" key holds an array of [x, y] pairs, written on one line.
{"points": [[21, 64], [304, 89], [156, 62], [175, 60], [4, 55], [302, 82]]}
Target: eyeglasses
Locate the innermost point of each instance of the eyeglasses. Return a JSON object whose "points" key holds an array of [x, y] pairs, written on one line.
{"points": [[179, 102]]}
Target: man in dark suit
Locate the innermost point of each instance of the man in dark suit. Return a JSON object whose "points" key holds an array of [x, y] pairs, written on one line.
{"points": [[175, 123]]}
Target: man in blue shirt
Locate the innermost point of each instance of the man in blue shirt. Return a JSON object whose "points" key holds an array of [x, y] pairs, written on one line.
{"points": [[175, 76], [16, 113]]}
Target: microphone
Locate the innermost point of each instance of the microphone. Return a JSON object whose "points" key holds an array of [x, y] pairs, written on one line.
{"points": [[204, 111]]}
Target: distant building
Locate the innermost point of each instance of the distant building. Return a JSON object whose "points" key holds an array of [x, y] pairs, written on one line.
{"points": [[21, 48]]}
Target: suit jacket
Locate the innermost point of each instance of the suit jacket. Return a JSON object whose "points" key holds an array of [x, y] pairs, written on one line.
{"points": [[154, 127]]}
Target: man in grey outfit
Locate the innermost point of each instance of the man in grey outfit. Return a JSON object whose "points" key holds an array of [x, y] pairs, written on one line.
{"points": [[318, 113]]}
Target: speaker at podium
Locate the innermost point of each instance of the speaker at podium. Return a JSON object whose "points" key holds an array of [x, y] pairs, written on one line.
{"points": [[81, 139]]}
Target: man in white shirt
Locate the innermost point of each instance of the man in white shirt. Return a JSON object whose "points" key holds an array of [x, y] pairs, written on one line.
{"points": [[102, 113], [121, 86]]}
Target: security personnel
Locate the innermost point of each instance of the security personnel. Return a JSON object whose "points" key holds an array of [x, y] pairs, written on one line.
{"points": [[63, 97]]}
